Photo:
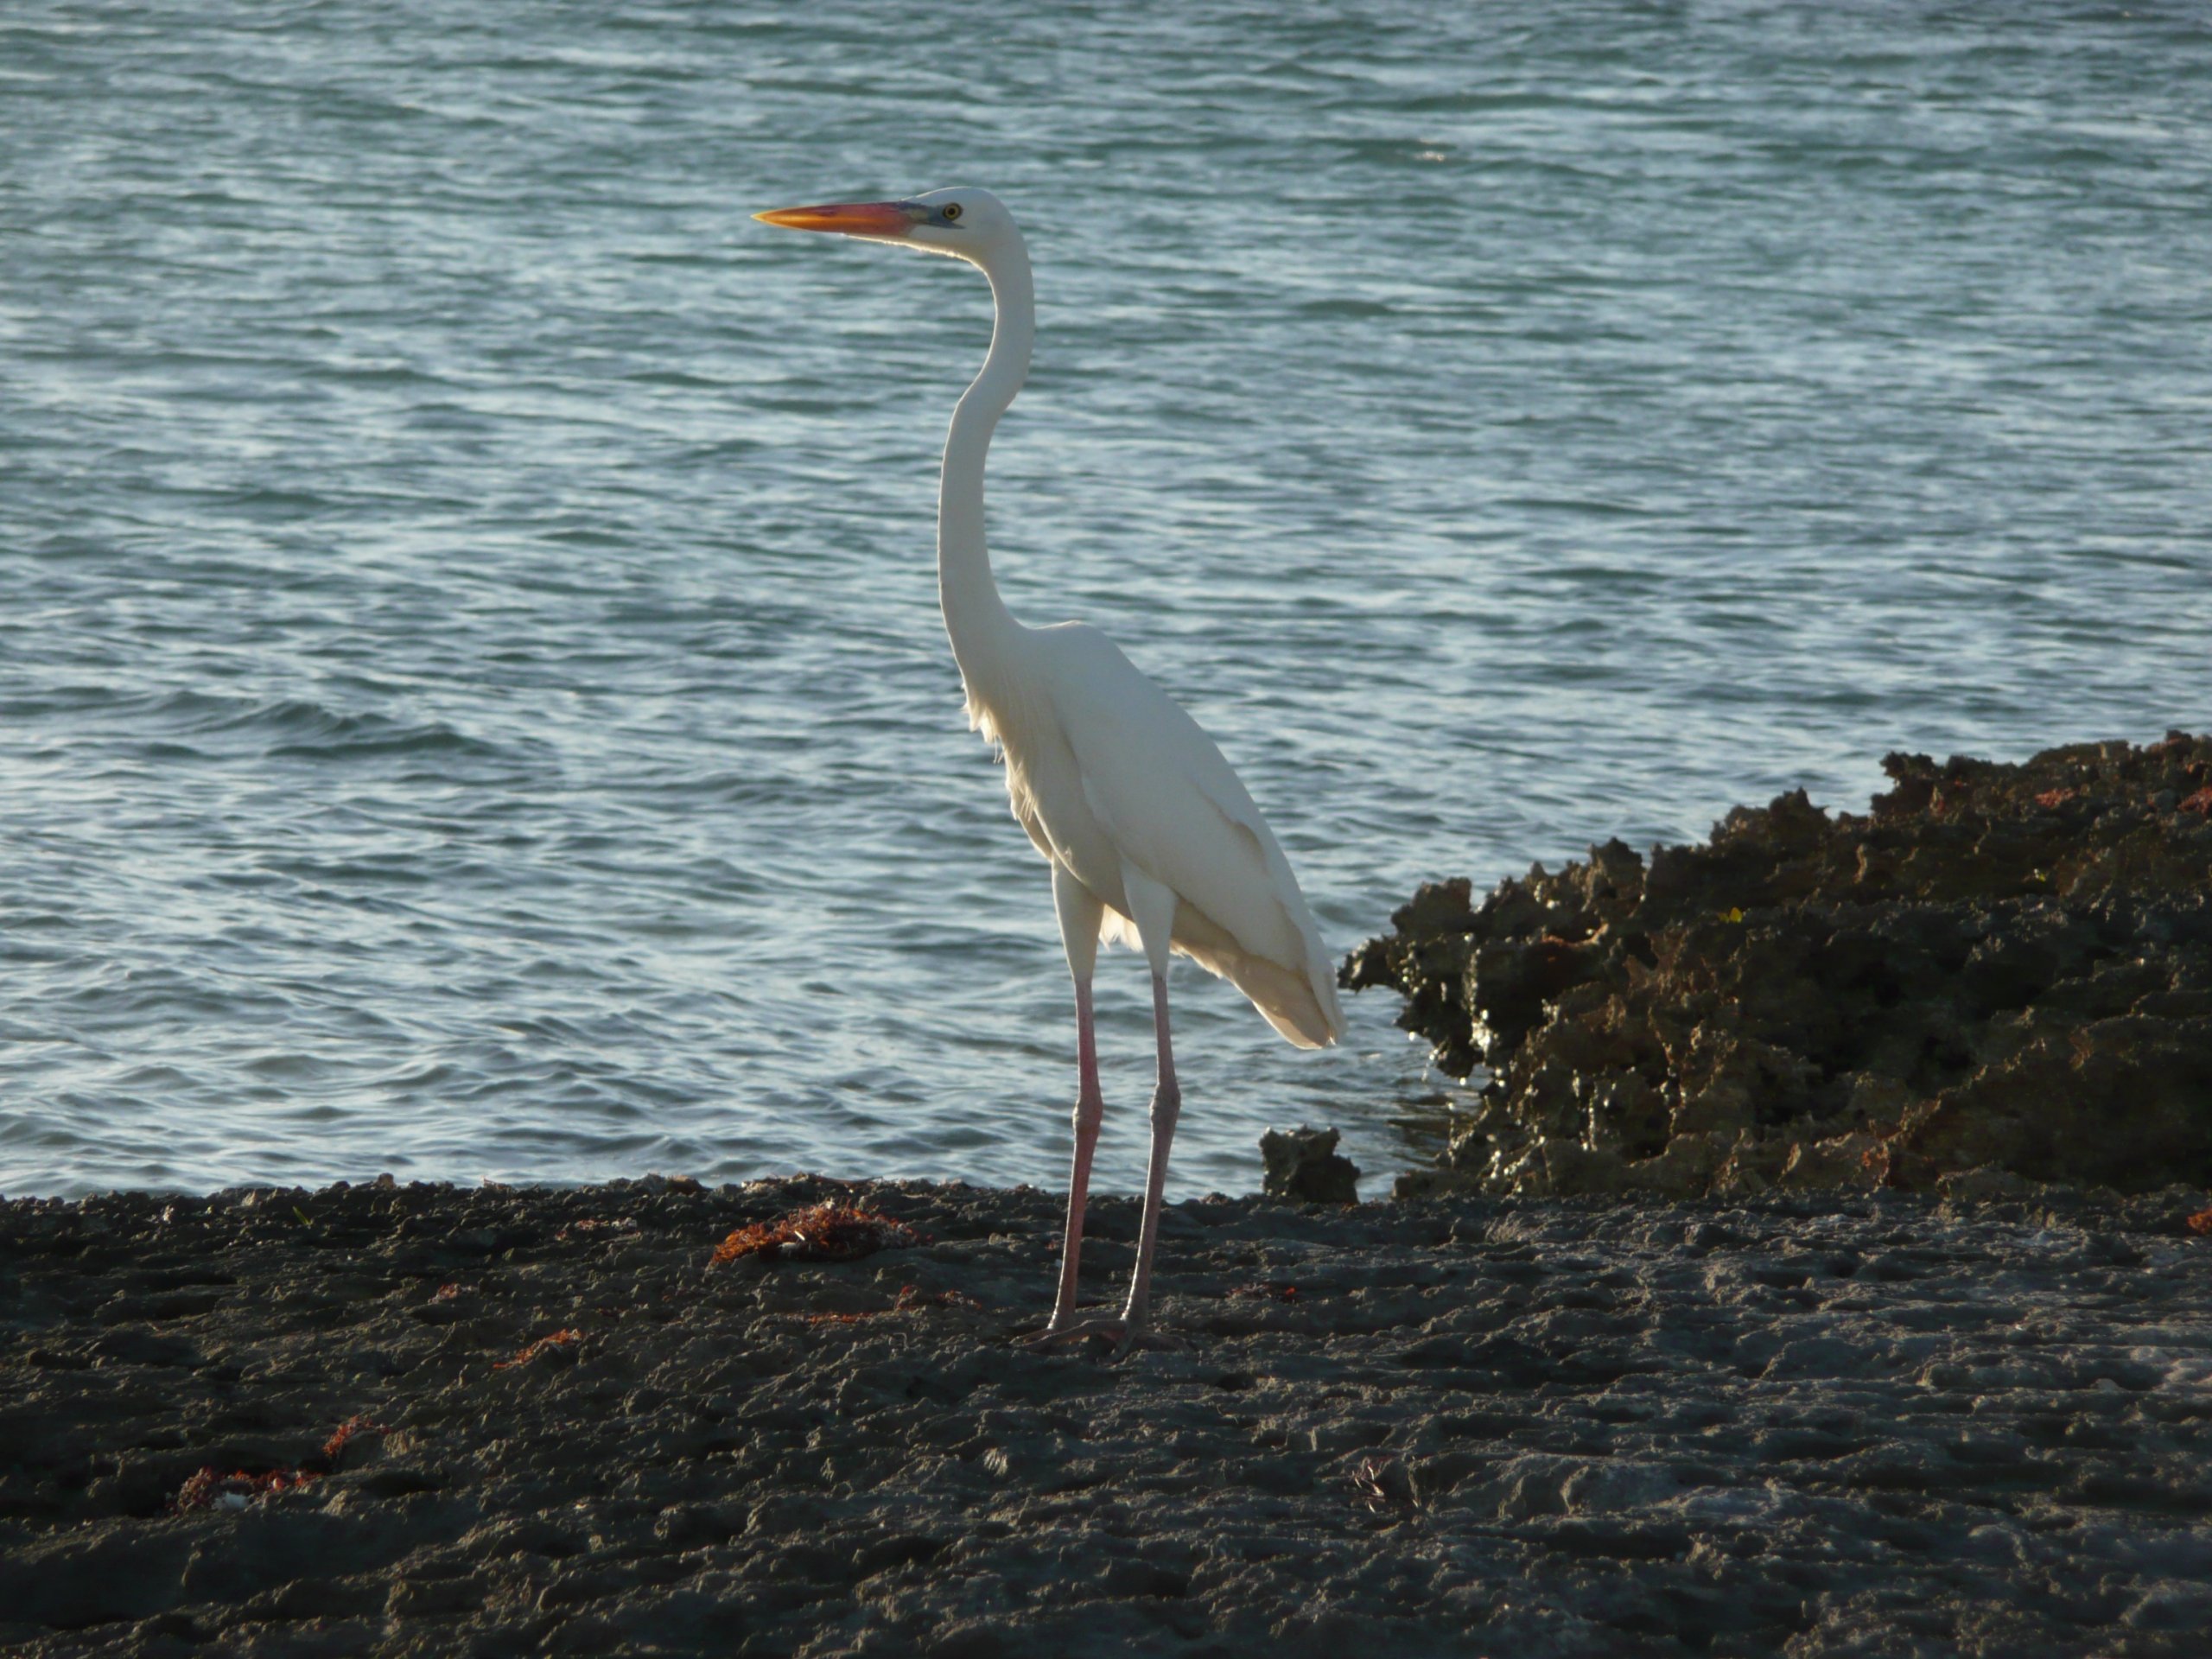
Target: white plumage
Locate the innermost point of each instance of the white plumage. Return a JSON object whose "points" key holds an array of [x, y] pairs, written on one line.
{"points": [[1117, 773], [1152, 836]]}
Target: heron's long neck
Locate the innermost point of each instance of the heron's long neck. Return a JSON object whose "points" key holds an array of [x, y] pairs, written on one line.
{"points": [[982, 630]]}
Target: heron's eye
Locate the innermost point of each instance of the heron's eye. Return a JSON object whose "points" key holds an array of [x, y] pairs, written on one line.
{"points": [[951, 210]]}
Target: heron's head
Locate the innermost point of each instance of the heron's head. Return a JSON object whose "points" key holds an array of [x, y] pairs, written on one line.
{"points": [[967, 223]]}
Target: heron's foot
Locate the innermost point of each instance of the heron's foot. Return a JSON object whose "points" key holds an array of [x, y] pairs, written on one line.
{"points": [[1126, 1338]]}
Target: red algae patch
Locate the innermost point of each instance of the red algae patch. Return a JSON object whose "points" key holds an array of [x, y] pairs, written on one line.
{"points": [[825, 1232], [909, 1299], [594, 1225], [543, 1345], [334, 1447], [208, 1488]]}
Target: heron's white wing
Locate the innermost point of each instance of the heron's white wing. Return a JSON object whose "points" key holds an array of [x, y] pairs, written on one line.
{"points": [[1177, 811]]}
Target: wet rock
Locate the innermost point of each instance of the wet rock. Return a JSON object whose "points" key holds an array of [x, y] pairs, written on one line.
{"points": [[1573, 1428], [1304, 1164], [1997, 968]]}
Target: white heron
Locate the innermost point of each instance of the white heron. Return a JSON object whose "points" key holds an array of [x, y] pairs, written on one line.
{"points": [[1150, 835]]}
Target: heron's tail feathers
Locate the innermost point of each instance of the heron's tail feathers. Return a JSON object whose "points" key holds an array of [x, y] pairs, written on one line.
{"points": [[1300, 1002]]}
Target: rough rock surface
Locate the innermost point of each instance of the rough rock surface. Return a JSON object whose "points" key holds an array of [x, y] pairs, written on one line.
{"points": [[2000, 973], [1304, 1163], [1807, 1425]]}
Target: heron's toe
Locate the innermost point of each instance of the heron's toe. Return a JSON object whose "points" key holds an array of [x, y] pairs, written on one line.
{"points": [[1124, 1338]]}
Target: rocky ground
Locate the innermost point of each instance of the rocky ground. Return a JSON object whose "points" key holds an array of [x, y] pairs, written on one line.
{"points": [[2000, 974], [401, 1419]]}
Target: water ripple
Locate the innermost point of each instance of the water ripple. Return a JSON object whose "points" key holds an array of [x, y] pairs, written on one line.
{"points": [[471, 696]]}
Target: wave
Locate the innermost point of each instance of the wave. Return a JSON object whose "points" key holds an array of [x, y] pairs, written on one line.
{"points": [[302, 728]]}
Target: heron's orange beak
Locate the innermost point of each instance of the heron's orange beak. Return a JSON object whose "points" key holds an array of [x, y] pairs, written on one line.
{"points": [[880, 218]]}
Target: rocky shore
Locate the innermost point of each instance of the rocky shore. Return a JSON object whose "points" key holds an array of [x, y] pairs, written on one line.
{"points": [[408, 1419], [1999, 975]]}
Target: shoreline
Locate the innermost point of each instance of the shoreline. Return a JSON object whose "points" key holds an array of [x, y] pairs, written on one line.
{"points": [[1813, 1423]]}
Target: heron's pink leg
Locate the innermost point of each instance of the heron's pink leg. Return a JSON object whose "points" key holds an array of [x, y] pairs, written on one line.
{"points": [[1089, 1107], [1166, 1107], [1151, 907]]}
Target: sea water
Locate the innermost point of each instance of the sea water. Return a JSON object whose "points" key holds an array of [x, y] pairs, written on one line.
{"points": [[472, 699]]}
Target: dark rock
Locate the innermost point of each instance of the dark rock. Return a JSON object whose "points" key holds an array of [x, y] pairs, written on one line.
{"points": [[1998, 968], [1304, 1164], [1572, 1427]]}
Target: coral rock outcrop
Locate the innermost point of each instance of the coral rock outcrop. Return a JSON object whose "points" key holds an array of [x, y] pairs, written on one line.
{"points": [[2000, 969]]}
